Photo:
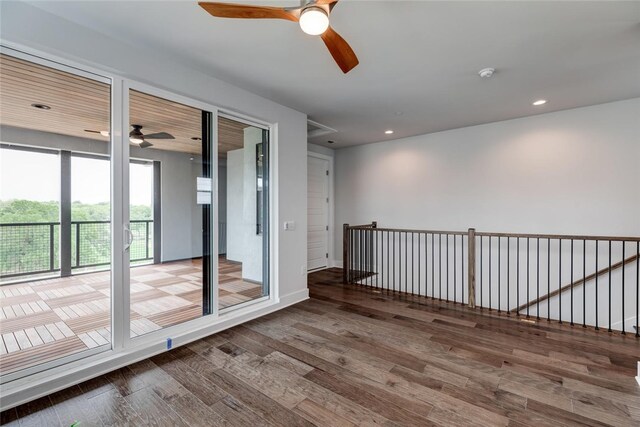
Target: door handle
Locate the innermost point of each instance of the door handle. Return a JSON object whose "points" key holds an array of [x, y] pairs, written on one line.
{"points": [[128, 238]]}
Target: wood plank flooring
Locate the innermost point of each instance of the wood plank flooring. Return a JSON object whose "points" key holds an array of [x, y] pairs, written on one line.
{"points": [[48, 319], [352, 356]]}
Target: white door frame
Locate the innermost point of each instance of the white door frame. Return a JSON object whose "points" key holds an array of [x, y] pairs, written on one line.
{"points": [[330, 239]]}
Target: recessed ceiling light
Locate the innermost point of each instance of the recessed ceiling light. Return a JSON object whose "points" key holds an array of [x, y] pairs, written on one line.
{"points": [[540, 102], [41, 106], [388, 132], [196, 138], [486, 72]]}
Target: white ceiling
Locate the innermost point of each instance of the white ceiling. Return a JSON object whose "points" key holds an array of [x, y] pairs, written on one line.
{"points": [[418, 59]]}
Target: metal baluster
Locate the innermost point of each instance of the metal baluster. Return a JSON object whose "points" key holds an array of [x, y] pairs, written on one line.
{"points": [[638, 289], [447, 246], [508, 276], [596, 272], [490, 283], [412, 260], [623, 259], [375, 244], [419, 262], [362, 256], [528, 297], [571, 279], [499, 270], [560, 280], [439, 267], [462, 269], [584, 283], [609, 329], [518, 275], [388, 266], [548, 279], [394, 260], [538, 277], [481, 275], [454, 269], [406, 263], [433, 275]]}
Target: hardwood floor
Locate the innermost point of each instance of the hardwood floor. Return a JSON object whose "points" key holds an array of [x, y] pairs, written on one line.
{"points": [[48, 319], [353, 356]]}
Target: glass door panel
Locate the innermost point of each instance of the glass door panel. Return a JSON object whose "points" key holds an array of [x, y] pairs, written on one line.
{"points": [[169, 196], [55, 215], [243, 167]]}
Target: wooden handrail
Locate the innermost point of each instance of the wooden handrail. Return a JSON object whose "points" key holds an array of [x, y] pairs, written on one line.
{"points": [[575, 283], [560, 237]]}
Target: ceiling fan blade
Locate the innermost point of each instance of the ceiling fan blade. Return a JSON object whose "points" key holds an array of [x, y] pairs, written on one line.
{"points": [[230, 10], [340, 50], [159, 135], [92, 131], [331, 3], [145, 144]]}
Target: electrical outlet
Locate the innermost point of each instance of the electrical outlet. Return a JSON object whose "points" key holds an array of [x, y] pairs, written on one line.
{"points": [[289, 225], [169, 343]]}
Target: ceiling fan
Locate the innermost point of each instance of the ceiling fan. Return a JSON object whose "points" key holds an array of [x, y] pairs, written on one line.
{"points": [[312, 15], [137, 137]]}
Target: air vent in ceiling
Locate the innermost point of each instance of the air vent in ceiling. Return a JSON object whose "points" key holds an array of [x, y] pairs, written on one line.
{"points": [[315, 129]]}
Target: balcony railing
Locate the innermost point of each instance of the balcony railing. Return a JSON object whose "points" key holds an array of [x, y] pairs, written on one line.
{"points": [[34, 248]]}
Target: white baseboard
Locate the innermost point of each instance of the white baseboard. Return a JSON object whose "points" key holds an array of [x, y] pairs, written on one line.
{"points": [[44, 383], [337, 263]]}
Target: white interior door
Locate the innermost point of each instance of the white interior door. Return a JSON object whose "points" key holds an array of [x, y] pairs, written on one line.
{"points": [[318, 213]]}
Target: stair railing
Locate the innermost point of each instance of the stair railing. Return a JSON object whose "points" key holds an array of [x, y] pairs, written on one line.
{"points": [[582, 280]]}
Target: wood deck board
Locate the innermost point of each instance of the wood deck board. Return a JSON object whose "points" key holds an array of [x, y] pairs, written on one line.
{"points": [[162, 295]]}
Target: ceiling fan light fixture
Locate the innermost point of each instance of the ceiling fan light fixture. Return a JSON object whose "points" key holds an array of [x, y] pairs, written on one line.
{"points": [[314, 21], [104, 133], [136, 140]]}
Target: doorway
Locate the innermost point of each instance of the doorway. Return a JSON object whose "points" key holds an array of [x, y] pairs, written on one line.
{"points": [[319, 221]]}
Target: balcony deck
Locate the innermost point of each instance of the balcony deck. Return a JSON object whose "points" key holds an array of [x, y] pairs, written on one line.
{"points": [[47, 319]]}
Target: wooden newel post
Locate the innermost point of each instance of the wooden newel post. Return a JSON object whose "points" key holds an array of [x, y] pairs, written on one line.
{"points": [[346, 244], [472, 266]]}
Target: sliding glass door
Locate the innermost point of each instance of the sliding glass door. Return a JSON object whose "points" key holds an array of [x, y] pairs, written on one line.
{"points": [[113, 232], [55, 215], [243, 207], [169, 213]]}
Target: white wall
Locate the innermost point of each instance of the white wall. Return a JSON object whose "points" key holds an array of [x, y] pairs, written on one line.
{"points": [[235, 186], [222, 206], [243, 244], [571, 172], [54, 35]]}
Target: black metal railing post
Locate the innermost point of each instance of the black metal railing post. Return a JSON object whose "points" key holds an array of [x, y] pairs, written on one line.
{"points": [[52, 255]]}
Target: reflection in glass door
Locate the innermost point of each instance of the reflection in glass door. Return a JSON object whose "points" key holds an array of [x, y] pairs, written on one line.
{"points": [[55, 215], [169, 196], [243, 171]]}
